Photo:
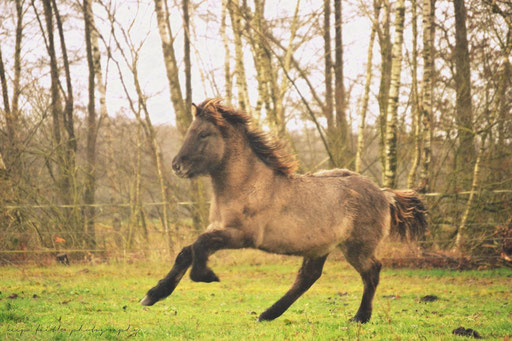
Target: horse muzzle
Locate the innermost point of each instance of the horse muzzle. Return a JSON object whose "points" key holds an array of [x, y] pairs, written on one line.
{"points": [[180, 168]]}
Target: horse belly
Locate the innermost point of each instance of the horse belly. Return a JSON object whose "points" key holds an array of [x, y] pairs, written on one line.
{"points": [[295, 236]]}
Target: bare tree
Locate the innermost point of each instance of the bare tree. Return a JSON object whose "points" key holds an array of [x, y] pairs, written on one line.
{"points": [[366, 96], [415, 112], [394, 92], [183, 113], [241, 80], [384, 36], [90, 166], [465, 153], [426, 98], [227, 57], [64, 140], [342, 132], [12, 115]]}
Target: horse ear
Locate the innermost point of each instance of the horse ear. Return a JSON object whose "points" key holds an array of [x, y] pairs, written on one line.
{"points": [[194, 110]]}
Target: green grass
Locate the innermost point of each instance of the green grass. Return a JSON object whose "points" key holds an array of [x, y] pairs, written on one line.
{"points": [[102, 302]]}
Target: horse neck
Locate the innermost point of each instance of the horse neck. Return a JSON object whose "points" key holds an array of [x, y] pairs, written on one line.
{"points": [[242, 170]]}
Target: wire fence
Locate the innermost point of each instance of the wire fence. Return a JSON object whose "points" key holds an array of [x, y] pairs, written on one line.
{"points": [[187, 203], [113, 242]]}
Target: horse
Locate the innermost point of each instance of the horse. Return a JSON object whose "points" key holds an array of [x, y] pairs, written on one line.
{"points": [[260, 202]]}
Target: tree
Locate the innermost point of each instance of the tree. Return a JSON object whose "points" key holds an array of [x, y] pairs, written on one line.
{"points": [[90, 166], [366, 96], [11, 110], [342, 148], [241, 80], [183, 114], [426, 98], [64, 139], [465, 153], [228, 86], [392, 107], [384, 36], [416, 113]]}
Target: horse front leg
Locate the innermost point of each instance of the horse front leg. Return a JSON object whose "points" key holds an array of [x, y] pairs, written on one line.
{"points": [[166, 286], [210, 242], [310, 271]]}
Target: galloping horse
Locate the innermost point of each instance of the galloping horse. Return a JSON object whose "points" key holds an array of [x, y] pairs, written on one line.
{"points": [[259, 202]]}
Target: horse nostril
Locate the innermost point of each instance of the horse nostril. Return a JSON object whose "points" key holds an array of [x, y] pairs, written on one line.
{"points": [[176, 164]]}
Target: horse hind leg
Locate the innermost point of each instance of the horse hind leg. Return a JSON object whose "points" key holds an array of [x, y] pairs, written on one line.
{"points": [[369, 269], [310, 271]]}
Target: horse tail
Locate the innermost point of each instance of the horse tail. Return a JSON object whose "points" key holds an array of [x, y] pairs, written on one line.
{"points": [[408, 213]]}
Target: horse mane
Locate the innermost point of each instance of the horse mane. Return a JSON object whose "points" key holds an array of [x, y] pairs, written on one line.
{"points": [[270, 150]]}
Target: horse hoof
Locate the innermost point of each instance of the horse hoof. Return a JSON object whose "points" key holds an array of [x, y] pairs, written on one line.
{"points": [[206, 276], [360, 319], [148, 301], [266, 316]]}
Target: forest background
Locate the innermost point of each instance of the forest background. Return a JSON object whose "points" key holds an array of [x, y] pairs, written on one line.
{"points": [[96, 98]]}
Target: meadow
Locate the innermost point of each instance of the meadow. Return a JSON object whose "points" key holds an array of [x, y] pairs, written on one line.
{"points": [[100, 301]]}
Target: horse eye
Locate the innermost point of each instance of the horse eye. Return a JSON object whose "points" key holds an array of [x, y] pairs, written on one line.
{"points": [[204, 135]]}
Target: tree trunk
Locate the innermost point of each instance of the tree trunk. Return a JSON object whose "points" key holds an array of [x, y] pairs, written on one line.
{"points": [[271, 93], [90, 166], [5, 97], [12, 152], [183, 118], [135, 202], [461, 229], [263, 74], [342, 154], [366, 96], [17, 59], [183, 113], [415, 112], [385, 77], [186, 58], [228, 86], [426, 98], [504, 107], [465, 153], [2, 164], [394, 95], [328, 108], [241, 81]]}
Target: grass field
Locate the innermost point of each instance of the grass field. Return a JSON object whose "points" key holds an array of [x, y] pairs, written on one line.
{"points": [[101, 301]]}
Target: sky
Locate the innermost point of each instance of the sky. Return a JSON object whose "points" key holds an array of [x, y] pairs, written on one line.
{"points": [[208, 51]]}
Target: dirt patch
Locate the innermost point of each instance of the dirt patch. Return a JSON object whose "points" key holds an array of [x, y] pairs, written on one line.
{"points": [[429, 298], [461, 331]]}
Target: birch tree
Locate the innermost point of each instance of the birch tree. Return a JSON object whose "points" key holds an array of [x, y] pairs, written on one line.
{"points": [[183, 114], [394, 93], [415, 112], [384, 36], [241, 80], [271, 88], [228, 86], [366, 96], [426, 98], [342, 148], [328, 107]]}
